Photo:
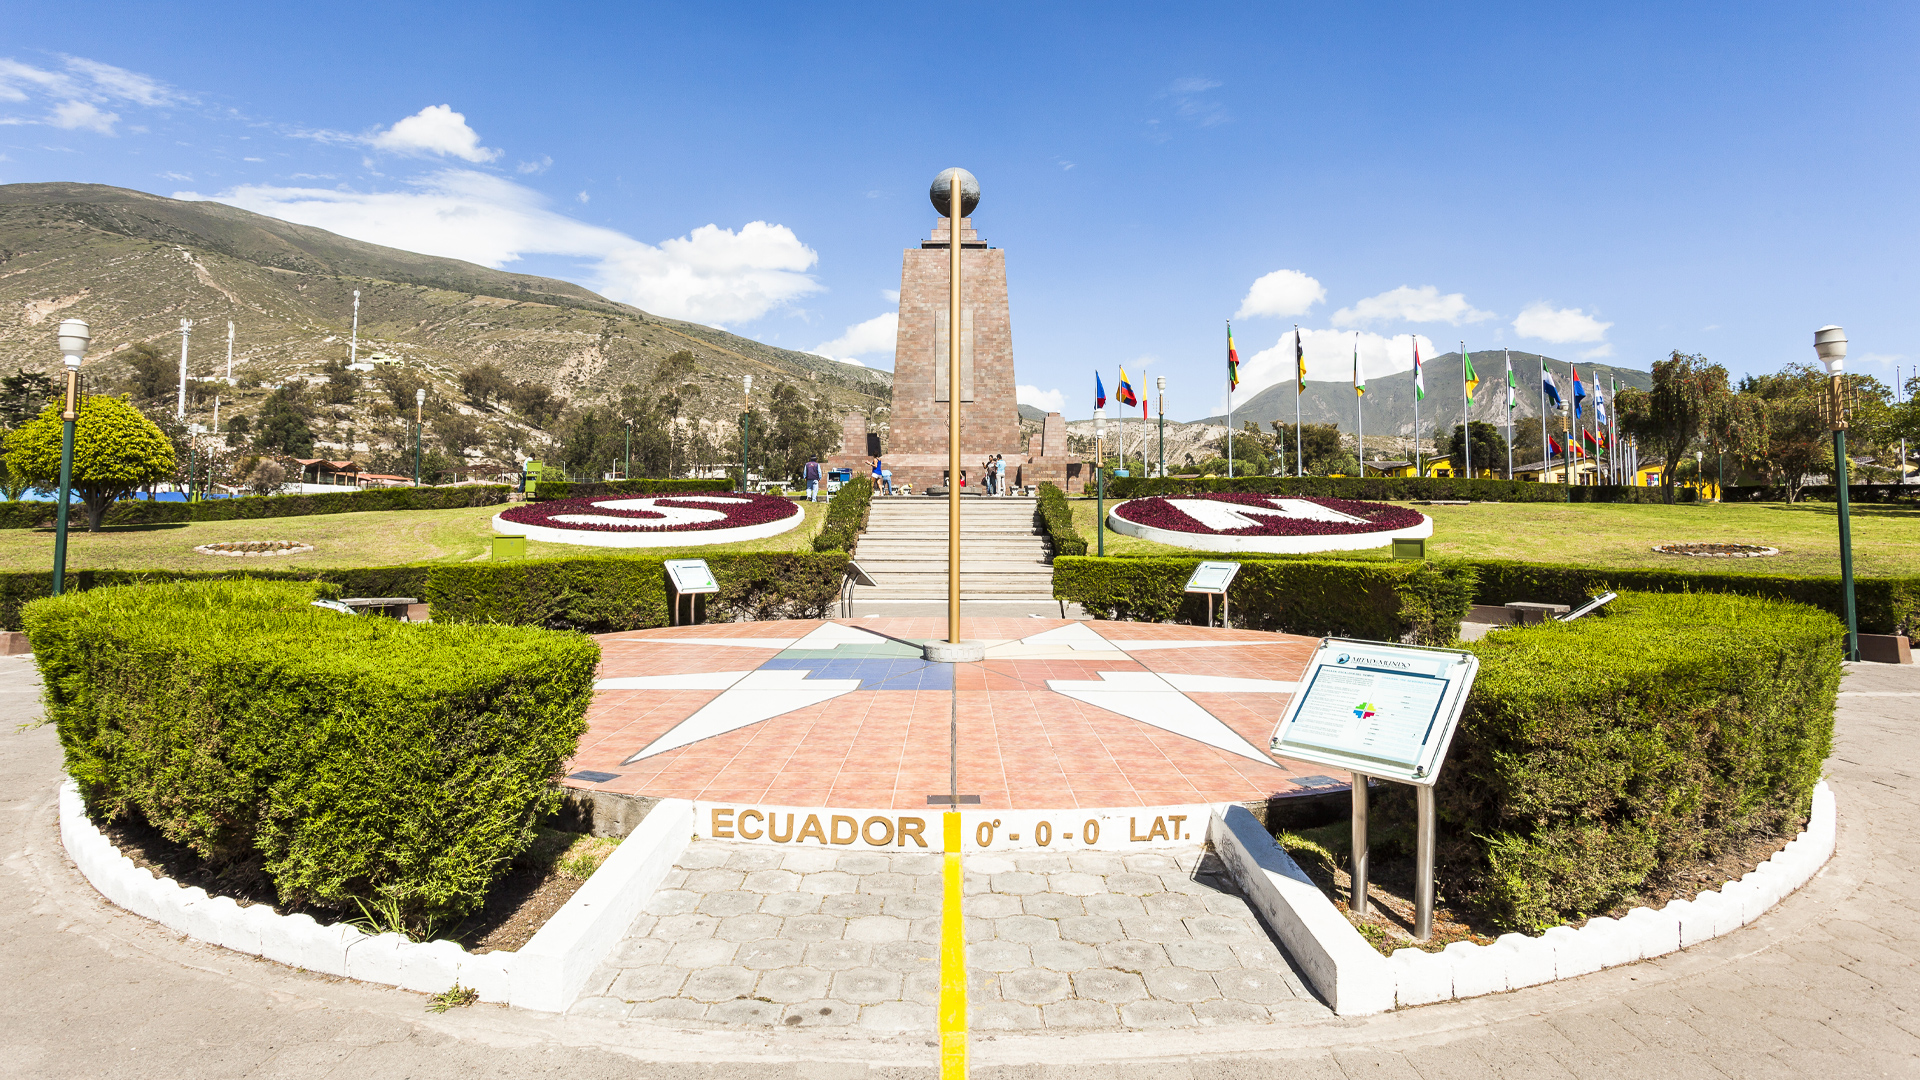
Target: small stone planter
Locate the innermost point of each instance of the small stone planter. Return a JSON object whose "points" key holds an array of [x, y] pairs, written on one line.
{"points": [[254, 548]]}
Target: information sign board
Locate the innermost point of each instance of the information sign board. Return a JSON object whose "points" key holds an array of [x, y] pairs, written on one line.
{"points": [[691, 576], [1379, 709], [1212, 577]]}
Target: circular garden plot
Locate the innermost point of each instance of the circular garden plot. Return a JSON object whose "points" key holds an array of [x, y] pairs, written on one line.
{"points": [[1266, 523], [718, 517]]}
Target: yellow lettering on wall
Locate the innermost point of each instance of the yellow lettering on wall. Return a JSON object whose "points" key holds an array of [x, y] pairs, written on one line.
{"points": [[812, 828], [1159, 829], [1132, 834], [886, 833], [755, 815], [773, 828], [833, 829], [912, 826], [723, 824], [1178, 833]]}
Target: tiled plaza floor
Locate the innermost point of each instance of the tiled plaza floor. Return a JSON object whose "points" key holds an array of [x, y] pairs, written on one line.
{"points": [[1061, 714]]}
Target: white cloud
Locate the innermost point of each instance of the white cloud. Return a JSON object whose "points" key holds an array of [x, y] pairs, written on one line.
{"points": [[545, 163], [1559, 325], [78, 115], [1329, 359], [436, 129], [119, 84], [876, 335], [585, 198], [710, 275], [1044, 400], [893, 295], [1595, 354], [1283, 292], [1407, 304]]}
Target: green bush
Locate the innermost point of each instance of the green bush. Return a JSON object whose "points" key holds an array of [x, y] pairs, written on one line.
{"points": [[1418, 602], [1386, 489], [351, 759], [27, 515], [19, 588], [1056, 517], [606, 595], [1856, 493], [561, 489], [1597, 757], [846, 516]]}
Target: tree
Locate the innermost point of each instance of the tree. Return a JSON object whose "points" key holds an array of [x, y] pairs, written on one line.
{"points": [[1318, 443], [116, 451], [239, 425], [482, 383], [400, 384], [536, 402], [1673, 416], [22, 396], [342, 382], [283, 424], [1489, 448], [1798, 439], [152, 375]]}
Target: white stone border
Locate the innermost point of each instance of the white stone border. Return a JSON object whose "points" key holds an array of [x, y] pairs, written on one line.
{"points": [[547, 973], [982, 832], [1356, 980], [1277, 545], [685, 538]]}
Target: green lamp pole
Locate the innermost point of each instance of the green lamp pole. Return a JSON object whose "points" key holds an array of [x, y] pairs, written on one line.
{"points": [[746, 429], [419, 406], [74, 335], [1100, 480], [629, 472], [1830, 342], [1160, 381]]}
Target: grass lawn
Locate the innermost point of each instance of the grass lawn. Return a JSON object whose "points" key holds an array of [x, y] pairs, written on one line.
{"points": [[373, 538], [1886, 540]]}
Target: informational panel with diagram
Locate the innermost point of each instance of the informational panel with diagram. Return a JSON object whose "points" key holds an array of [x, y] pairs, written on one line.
{"points": [[691, 576], [1383, 710]]}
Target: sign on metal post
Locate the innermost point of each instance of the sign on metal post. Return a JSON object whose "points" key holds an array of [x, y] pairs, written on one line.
{"points": [[1387, 711], [1212, 579], [855, 576], [689, 577]]}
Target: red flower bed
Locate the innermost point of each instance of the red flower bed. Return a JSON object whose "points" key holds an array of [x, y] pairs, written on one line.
{"points": [[1160, 513], [739, 512]]}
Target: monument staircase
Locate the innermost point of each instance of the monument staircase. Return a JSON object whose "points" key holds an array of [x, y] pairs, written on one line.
{"points": [[1003, 555]]}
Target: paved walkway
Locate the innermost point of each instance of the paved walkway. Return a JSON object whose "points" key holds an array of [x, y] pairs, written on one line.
{"points": [[1824, 986]]}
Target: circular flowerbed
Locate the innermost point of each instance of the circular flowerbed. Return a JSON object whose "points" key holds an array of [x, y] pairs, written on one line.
{"points": [[1266, 523], [254, 548], [713, 517], [1717, 551]]}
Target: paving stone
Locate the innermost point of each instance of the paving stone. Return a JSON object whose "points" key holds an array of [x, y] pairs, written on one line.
{"points": [[1255, 987], [889, 884], [1134, 884], [988, 864], [787, 904], [1221, 1012], [637, 951], [982, 985], [1149, 1014], [813, 928], [829, 882], [808, 860], [897, 1016], [678, 901], [851, 905], [1219, 928], [915, 865], [675, 878], [703, 855], [1064, 955], [1133, 955], [1151, 863], [701, 953], [719, 983], [925, 930], [685, 927], [1050, 862], [1090, 930], [1258, 955], [867, 986], [1175, 905], [753, 927], [999, 955], [1109, 985], [1019, 883], [1204, 955], [1180, 984], [714, 879], [745, 1012], [913, 906], [1113, 905], [1026, 928], [648, 982], [1101, 863], [1233, 907], [1079, 1014], [1186, 884], [1002, 1016], [642, 925], [1034, 986], [877, 928], [794, 984], [923, 987], [1155, 928], [1074, 883], [751, 859], [762, 955], [821, 1013], [673, 1008], [905, 956], [993, 905], [775, 881], [1052, 905], [862, 862], [725, 904], [839, 955], [973, 883]]}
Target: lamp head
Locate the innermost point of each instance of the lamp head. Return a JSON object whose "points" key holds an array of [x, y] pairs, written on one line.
{"points": [[420, 397], [74, 335], [1100, 421], [1161, 382], [749, 384], [941, 193], [1830, 342]]}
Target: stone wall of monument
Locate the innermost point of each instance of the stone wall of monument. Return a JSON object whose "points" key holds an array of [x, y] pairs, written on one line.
{"points": [[989, 423]]}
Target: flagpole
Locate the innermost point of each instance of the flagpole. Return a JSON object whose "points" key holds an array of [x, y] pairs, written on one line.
{"points": [[1299, 387], [1509, 356], [1360, 405], [1572, 425], [1544, 458], [1466, 416], [1417, 471]]}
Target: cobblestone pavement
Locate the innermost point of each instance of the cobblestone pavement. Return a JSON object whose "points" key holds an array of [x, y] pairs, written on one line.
{"points": [[742, 935]]}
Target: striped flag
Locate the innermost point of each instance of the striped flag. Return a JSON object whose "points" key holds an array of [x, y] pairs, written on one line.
{"points": [[1300, 358], [1419, 381], [1513, 388], [1547, 384], [1467, 374], [1359, 380], [1099, 392], [1233, 362], [1125, 393]]}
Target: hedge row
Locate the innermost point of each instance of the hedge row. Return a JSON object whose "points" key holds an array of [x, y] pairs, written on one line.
{"points": [[1415, 602], [1597, 757], [1056, 518], [28, 515], [1388, 489], [20, 588], [846, 517], [560, 489], [1860, 493], [351, 760]]}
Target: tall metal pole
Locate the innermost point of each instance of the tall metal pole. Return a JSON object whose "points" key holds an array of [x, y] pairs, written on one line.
{"points": [[1545, 458], [1466, 418], [353, 342], [1359, 408], [1510, 403], [1830, 342], [74, 335], [1100, 481], [955, 184], [180, 410], [229, 352], [629, 473], [419, 407], [1299, 388], [1161, 382]]}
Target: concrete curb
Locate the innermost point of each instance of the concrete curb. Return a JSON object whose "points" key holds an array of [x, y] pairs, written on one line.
{"points": [[546, 974]]}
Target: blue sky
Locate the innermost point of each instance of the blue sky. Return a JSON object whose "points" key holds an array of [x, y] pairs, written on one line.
{"points": [[1592, 181]]}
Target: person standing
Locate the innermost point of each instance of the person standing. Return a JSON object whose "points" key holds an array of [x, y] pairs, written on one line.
{"points": [[811, 473], [1000, 474], [878, 475]]}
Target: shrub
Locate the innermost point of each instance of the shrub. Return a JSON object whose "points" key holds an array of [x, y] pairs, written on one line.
{"points": [[353, 759], [1389, 488], [1056, 518], [846, 516], [1420, 602], [24, 515], [18, 588], [1596, 757]]}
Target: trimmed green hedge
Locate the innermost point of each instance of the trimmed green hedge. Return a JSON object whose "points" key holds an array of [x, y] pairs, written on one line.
{"points": [[19, 588], [605, 595], [1856, 493], [26, 515], [1596, 757], [846, 516], [1056, 517], [1418, 602], [1387, 489], [348, 759], [560, 489]]}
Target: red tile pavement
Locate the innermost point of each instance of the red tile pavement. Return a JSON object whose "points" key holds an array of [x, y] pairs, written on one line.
{"points": [[1022, 746]]}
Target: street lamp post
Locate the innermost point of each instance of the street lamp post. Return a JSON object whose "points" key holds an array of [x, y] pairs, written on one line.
{"points": [[746, 428], [628, 475], [1830, 343], [74, 335], [1100, 480], [186, 327], [353, 342], [1160, 381], [419, 406]]}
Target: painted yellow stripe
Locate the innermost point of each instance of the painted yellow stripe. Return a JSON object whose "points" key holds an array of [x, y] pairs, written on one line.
{"points": [[953, 960]]}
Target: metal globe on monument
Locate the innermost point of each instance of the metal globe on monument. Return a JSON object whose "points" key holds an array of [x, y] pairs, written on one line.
{"points": [[942, 192]]}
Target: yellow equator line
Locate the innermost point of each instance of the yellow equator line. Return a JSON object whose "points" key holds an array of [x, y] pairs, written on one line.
{"points": [[953, 959]]}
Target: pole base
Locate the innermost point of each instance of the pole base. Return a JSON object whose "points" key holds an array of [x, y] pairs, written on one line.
{"points": [[955, 652]]}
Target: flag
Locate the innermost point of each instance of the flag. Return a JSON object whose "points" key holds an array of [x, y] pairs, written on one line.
{"points": [[1300, 359], [1553, 446], [1099, 392], [1513, 388], [1125, 394], [1472, 380], [1599, 402], [1579, 392], [1419, 383], [1359, 380], [1547, 385], [1233, 362]]}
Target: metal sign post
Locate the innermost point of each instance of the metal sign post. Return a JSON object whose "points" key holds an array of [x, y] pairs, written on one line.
{"points": [[854, 576], [1212, 579], [1387, 711], [689, 578]]}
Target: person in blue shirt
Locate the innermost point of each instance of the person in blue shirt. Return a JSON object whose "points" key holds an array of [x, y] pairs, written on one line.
{"points": [[812, 475]]}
